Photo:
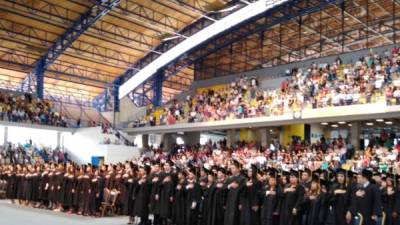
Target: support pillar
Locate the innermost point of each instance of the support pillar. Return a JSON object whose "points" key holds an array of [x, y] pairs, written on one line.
{"points": [[191, 138], [145, 140], [157, 87], [231, 137], [5, 137], [263, 137], [355, 132], [168, 141], [39, 73], [58, 139]]}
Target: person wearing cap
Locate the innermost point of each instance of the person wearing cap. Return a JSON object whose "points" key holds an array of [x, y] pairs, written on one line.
{"points": [[234, 186], [249, 199], [193, 197], [270, 196], [95, 198], [389, 200], [366, 200], [340, 197], [313, 203], [218, 197], [178, 206], [291, 201], [207, 195], [166, 193], [154, 202], [141, 195]]}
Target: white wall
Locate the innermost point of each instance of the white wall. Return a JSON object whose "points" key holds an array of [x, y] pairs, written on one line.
{"points": [[86, 142]]}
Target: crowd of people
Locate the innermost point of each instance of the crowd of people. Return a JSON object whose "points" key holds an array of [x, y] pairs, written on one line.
{"points": [[369, 79], [16, 107], [30, 153], [298, 184]]}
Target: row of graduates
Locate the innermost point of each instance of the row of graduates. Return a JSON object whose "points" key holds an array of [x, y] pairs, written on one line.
{"points": [[221, 195]]}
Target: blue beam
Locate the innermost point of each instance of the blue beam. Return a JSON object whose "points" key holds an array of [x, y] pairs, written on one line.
{"points": [[158, 85], [73, 33]]}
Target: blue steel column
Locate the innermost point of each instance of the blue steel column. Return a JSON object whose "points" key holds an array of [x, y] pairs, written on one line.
{"points": [[157, 87], [39, 72], [115, 93]]}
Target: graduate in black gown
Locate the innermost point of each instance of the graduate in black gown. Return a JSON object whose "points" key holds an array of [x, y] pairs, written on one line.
{"points": [[389, 200], [179, 204], [292, 198], [218, 198], [35, 186], [234, 186], [155, 180], [11, 184], [167, 187], [68, 187], [95, 196], [193, 197], [207, 198], [130, 182], [249, 200], [141, 196], [366, 200], [340, 197], [44, 187], [270, 196], [85, 191], [313, 203]]}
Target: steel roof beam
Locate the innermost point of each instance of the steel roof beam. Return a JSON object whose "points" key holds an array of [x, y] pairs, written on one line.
{"points": [[79, 27]]}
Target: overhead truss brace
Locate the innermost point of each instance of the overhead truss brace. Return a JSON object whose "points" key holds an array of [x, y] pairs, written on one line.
{"points": [[66, 40]]}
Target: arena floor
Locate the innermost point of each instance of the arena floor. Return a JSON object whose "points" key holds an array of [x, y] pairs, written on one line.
{"points": [[11, 214]]}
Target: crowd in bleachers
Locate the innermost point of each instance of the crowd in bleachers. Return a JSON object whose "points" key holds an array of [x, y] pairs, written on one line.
{"points": [[25, 108], [370, 79], [29, 153]]}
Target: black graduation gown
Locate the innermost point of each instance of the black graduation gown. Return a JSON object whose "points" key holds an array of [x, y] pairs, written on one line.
{"points": [[63, 190], [77, 197], [166, 192], [193, 197], [207, 204], [35, 187], [314, 210], [179, 204], [43, 183], [27, 187], [248, 199], [218, 203], [58, 193], [52, 187], [120, 186], [291, 200], [141, 199], [84, 193], [155, 190], [11, 182], [20, 186], [369, 204], [128, 201], [270, 204], [389, 201], [95, 195], [69, 185], [340, 204], [232, 214]]}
